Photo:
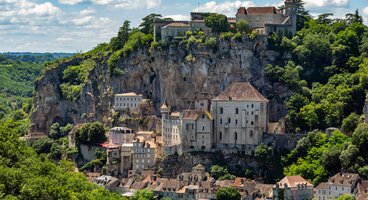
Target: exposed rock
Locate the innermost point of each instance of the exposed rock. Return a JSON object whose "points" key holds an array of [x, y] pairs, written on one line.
{"points": [[161, 74]]}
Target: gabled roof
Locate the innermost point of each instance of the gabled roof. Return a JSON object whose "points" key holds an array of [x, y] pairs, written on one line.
{"points": [[344, 179], [176, 24], [194, 114], [322, 185], [242, 91], [293, 181], [261, 10], [241, 11]]}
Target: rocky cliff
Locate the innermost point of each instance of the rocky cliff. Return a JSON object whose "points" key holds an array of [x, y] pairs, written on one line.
{"points": [[176, 74]]}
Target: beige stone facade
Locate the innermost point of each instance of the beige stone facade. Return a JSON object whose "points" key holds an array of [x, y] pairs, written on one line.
{"points": [[128, 101], [240, 118]]}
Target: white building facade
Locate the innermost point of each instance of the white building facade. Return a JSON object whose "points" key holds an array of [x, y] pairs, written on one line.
{"points": [[240, 118], [128, 101], [339, 184], [171, 130], [120, 135]]}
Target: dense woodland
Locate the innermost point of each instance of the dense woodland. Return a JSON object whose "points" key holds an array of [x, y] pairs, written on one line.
{"points": [[325, 65]]}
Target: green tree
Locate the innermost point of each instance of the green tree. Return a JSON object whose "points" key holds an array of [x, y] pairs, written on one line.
{"points": [[324, 18], [144, 194], [242, 26], [350, 123], [360, 138], [354, 17], [55, 131], [346, 197], [42, 145], [91, 133], [122, 37], [218, 171], [217, 22], [227, 193], [148, 22], [263, 152]]}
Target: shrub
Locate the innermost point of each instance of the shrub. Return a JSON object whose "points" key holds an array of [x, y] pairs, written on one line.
{"points": [[71, 92], [79, 74], [211, 42], [226, 36], [253, 35], [238, 37], [192, 41]]}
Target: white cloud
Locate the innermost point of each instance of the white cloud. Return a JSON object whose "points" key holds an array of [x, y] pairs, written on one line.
{"points": [[120, 4], [177, 17], [28, 12], [88, 11], [365, 11], [83, 20], [324, 3], [228, 7], [137, 4], [71, 2]]}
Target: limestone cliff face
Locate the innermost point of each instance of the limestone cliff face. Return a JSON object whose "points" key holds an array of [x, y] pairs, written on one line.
{"points": [[176, 74]]}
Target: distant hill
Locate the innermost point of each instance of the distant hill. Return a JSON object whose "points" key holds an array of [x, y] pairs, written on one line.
{"points": [[34, 57]]}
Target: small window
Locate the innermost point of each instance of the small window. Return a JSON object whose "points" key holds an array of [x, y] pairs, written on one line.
{"points": [[203, 128], [252, 105], [236, 110], [220, 121], [236, 136], [251, 123], [221, 110], [220, 135], [250, 133], [229, 120], [236, 121]]}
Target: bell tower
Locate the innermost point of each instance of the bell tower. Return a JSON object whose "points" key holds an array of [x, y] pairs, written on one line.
{"points": [[291, 11]]}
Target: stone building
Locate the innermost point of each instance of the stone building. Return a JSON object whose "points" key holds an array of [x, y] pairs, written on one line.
{"points": [[269, 19], [176, 29], [171, 127], [120, 135], [144, 153], [127, 101], [264, 20], [240, 118], [339, 184], [197, 130], [126, 157], [293, 187]]}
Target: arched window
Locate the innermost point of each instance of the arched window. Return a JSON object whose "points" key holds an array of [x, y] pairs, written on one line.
{"points": [[221, 110], [229, 120], [236, 110], [236, 136]]}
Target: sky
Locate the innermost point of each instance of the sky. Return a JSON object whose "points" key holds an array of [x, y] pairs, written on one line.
{"points": [[79, 25]]}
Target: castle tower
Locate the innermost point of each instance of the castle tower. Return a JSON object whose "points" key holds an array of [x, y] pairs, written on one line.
{"points": [[291, 11], [365, 109]]}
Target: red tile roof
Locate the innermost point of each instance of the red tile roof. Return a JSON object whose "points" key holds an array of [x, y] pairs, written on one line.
{"points": [[261, 10], [241, 91], [293, 181], [241, 11]]}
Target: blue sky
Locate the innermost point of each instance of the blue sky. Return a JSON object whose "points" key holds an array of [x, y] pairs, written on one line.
{"points": [[79, 25]]}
